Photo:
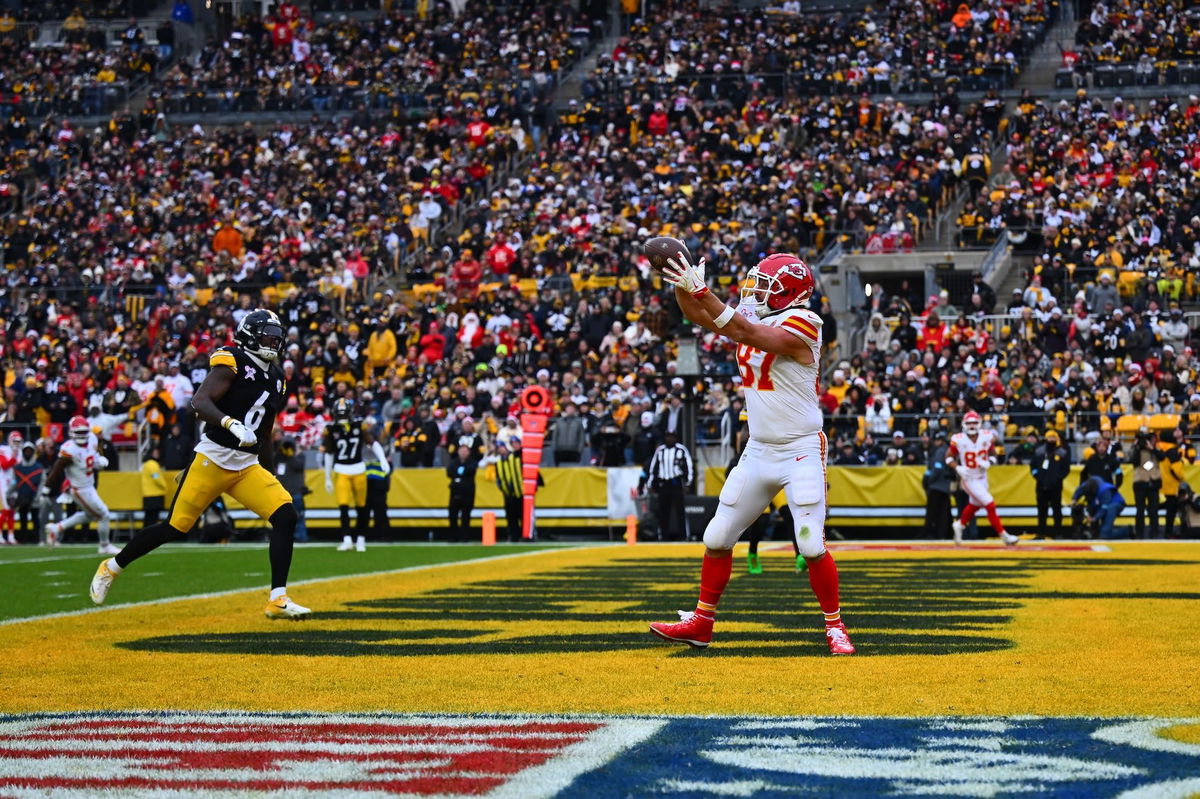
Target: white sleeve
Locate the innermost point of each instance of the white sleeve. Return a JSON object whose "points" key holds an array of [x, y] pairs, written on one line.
{"points": [[381, 456]]}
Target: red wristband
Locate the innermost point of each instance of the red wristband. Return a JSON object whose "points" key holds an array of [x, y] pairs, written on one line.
{"points": [[698, 294]]}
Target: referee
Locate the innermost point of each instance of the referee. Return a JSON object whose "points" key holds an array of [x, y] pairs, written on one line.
{"points": [[512, 486], [669, 474]]}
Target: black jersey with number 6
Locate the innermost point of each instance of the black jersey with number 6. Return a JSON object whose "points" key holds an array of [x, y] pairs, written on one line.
{"points": [[344, 440], [254, 398]]}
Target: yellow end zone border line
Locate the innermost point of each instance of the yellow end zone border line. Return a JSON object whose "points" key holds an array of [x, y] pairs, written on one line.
{"points": [[233, 591]]}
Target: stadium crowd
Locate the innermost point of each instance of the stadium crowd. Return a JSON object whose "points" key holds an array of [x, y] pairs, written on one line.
{"points": [[892, 47], [145, 243], [1158, 40], [503, 59]]}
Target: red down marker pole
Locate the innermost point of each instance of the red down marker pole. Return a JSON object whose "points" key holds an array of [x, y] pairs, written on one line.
{"points": [[535, 413]]}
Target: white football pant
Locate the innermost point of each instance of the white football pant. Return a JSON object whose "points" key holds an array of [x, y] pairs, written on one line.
{"points": [[977, 490], [798, 469], [90, 507]]}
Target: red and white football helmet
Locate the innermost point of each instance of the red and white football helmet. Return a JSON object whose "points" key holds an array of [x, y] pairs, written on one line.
{"points": [[15, 439], [778, 282], [971, 423], [79, 429]]}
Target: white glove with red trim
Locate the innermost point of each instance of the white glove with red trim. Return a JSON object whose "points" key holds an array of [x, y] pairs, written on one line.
{"points": [[678, 272]]}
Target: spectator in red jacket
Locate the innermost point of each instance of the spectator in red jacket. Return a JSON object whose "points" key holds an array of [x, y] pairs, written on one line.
{"points": [[933, 334], [466, 275], [500, 257], [658, 123], [433, 343]]}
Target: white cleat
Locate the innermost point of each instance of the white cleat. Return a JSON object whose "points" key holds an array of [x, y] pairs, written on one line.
{"points": [[958, 532], [101, 582], [109, 549], [53, 530], [285, 608], [345, 546], [12, 539], [1009, 539], [361, 546]]}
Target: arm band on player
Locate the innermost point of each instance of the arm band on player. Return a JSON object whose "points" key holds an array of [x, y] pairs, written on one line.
{"points": [[700, 292], [226, 421], [722, 319]]}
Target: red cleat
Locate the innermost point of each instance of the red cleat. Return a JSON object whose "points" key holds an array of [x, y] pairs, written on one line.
{"points": [[691, 629], [839, 641]]}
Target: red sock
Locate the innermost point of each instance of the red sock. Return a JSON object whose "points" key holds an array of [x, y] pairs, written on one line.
{"points": [[968, 513], [10, 520], [994, 518], [714, 576], [823, 577]]}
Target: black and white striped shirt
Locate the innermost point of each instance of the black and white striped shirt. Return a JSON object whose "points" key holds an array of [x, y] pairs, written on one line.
{"points": [[670, 462]]}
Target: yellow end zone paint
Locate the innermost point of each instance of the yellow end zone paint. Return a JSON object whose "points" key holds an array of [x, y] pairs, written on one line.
{"points": [[982, 630]]}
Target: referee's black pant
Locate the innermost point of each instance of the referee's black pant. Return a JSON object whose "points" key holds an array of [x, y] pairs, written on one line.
{"points": [[1049, 505], [377, 506], [514, 517], [671, 521], [461, 506]]}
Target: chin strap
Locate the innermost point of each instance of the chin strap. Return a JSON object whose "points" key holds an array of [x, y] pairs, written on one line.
{"points": [[261, 363]]}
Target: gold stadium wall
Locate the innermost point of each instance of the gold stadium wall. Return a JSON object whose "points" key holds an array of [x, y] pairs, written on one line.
{"points": [[860, 496], [892, 496]]}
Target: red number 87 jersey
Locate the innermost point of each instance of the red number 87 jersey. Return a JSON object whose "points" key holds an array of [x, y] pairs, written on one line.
{"points": [[972, 456]]}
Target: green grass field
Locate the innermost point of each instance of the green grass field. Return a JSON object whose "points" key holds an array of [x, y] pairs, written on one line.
{"points": [[41, 581]]}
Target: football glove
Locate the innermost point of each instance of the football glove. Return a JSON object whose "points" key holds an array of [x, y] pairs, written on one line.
{"points": [[328, 485], [243, 434], [678, 272]]}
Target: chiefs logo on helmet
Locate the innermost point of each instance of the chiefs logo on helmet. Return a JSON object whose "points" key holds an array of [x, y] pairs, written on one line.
{"points": [[778, 282]]}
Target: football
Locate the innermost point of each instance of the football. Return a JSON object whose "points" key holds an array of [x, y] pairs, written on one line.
{"points": [[660, 248]]}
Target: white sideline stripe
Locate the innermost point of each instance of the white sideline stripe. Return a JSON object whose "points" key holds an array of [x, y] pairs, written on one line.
{"points": [[440, 513], [210, 595]]}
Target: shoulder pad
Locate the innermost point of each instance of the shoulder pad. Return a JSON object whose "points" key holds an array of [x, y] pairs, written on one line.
{"points": [[806, 314], [802, 326], [223, 357]]}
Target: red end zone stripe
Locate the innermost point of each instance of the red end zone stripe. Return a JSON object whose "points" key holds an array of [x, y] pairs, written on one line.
{"points": [[301, 729], [419, 785], [497, 759]]}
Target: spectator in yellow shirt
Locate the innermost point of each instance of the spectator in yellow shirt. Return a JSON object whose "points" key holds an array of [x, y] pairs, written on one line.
{"points": [[154, 489], [381, 348]]}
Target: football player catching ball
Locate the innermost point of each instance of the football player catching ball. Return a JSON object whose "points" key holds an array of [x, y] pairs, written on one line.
{"points": [[779, 358]]}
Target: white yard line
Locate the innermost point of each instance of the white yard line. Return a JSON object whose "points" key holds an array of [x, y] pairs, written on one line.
{"points": [[232, 591]]}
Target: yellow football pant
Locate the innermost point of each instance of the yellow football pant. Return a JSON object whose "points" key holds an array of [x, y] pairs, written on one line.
{"points": [[203, 481], [350, 489]]}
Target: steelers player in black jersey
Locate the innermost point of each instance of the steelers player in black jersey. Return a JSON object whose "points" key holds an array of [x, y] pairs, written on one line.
{"points": [[237, 404], [346, 469]]}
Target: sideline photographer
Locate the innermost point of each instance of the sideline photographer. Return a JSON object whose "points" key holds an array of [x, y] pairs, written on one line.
{"points": [[1144, 457]]}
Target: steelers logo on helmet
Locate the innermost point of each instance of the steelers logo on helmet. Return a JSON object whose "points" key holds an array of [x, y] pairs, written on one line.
{"points": [[776, 283], [260, 333], [343, 409]]}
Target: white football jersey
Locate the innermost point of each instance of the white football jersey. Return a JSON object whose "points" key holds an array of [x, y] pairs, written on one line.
{"points": [[972, 454], [81, 471], [8, 458], [781, 392]]}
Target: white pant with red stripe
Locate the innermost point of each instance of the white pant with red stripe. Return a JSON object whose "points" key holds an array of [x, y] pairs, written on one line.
{"points": [[90, 507], [88, 500], [977, 490], [798, 469]]}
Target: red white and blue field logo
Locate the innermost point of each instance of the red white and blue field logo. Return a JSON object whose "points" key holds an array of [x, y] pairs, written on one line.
{"points": [[158, 754]]}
